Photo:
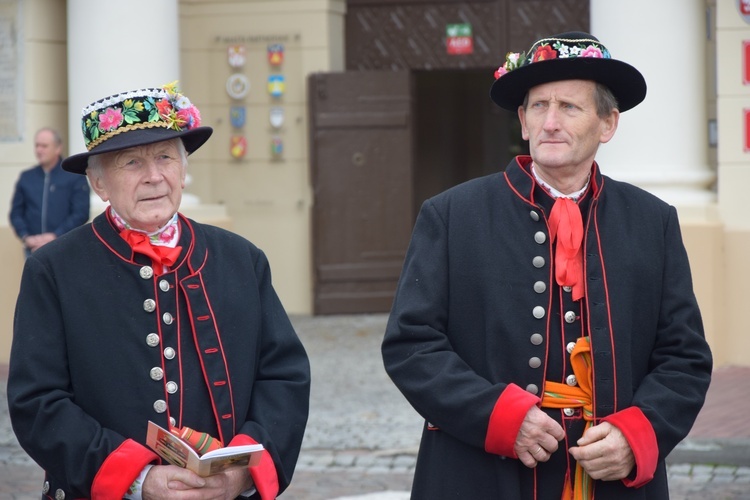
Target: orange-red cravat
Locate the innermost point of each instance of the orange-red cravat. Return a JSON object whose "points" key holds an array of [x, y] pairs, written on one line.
{"points": [[566, 226], [160, 255]]}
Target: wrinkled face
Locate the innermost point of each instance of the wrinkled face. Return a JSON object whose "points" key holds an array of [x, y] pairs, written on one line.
{"points": [[46, 148], [143, 184], [561, 124]]}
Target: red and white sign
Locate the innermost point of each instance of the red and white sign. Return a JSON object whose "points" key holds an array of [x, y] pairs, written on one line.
{"points": [[746, 123], [746, 62]]}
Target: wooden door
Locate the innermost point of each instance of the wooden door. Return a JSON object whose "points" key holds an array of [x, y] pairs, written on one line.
{"points": [[361, 160]]}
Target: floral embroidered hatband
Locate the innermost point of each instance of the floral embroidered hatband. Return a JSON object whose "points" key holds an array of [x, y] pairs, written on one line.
{"points": [[553, 48], [145, 108]]}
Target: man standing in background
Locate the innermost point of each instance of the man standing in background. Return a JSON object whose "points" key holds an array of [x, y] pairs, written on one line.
{"points": [[48, 201]]}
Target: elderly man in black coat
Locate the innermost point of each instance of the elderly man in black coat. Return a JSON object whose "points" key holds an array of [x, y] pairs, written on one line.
{"points": [[144, 315], [545, 324]]}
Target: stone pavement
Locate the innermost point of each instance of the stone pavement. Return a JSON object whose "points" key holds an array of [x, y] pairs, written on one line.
{"points": [[362, 436]]}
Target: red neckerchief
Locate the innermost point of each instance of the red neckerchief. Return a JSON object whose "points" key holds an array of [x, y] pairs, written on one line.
{"points": [[566, 226], [160, 255]]}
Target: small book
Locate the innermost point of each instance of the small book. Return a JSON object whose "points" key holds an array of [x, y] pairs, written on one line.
{"points": [[177, 452]]}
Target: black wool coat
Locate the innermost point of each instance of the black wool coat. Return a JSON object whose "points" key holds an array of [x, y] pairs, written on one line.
{"points": [[102, 345], [465, 310]]}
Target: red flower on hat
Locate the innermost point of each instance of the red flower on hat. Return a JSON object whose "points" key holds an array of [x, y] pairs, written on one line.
{"points": [[164, 107], [544, 52], [110, 119], [188, 117]]}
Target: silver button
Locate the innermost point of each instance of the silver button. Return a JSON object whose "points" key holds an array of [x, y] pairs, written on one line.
{"points": [[569, 412], [146, 272], [169, 353], [536, 339], [535, 362], [172, 422], [571, 380], [570, 317], [171, 387], [570, 347], [45, 487], [538, 261], [168, 319], [164, 285], [59, 494], [540, 287], [149, 305], [160, 406], [532, 388], [540, 237], [538, 312], [156, 373], [568, 288], [534, 215], [152, 340]]}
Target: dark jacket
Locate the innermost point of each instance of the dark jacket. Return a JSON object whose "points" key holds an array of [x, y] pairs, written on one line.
{"points": [[87, 339], [474, 307], [53, 202]]}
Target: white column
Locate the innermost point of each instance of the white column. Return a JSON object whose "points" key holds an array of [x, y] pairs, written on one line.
{"points": [[116, 46], [662, 144]]}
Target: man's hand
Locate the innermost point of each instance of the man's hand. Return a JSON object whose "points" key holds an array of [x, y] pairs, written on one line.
{"points": [[604, 453], [537, 438], [171, 482], [36, 241]]}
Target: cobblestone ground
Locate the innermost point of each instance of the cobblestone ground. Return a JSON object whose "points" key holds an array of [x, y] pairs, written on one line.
{"points": [[362, 436]]}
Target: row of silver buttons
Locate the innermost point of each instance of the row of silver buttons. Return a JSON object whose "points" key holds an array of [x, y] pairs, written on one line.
{"points": [[152, 340]]}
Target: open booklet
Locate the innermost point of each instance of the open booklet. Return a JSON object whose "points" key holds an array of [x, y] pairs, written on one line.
{"points": [[177, 452]]}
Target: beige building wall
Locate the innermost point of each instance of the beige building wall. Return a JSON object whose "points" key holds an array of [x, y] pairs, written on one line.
{"points": [[268, 198], [40, 36], [732, 102]]}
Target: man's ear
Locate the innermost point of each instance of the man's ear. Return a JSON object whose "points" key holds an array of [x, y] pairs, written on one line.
{"points": [[98, 185], [522, 118], [609, 126]]}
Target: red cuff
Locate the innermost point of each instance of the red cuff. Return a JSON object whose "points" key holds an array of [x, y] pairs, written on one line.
{"points": [[264, 474], [506, 419], [642, 440], [120, 469]]}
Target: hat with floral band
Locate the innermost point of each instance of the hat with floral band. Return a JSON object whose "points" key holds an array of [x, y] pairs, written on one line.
{"points": [[137, 118], [567, 56]]}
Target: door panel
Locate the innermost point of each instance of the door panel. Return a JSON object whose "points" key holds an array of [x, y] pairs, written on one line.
{"points": [[361, 150]]}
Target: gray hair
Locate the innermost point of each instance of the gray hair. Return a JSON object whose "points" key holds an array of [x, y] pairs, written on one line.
{"points": [[96, 162], [55, 134]]}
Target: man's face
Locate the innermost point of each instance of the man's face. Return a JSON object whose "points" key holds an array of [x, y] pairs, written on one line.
{"points": [[143, 184], [562, 126], [46, 150]]}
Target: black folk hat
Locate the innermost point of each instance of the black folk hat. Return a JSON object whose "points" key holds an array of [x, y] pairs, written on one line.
{"points": [[138, 118], [567, 56]]}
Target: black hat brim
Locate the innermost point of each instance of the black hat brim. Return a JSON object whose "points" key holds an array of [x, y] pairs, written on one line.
{"points": [[626, 83], [192, 139]]}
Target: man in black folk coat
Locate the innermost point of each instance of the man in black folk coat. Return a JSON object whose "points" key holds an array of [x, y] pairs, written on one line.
{"points": [[144, 315], [545, 324]]}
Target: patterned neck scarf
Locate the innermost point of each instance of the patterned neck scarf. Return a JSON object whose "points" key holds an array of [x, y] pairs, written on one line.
{"points": [[166, 236]]}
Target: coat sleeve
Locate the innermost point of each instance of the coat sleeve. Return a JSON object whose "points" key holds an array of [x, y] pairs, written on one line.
{"points": [[667, 400], [281, 392], [78, 206], [71, 446], [17, 211], [418, 355]]}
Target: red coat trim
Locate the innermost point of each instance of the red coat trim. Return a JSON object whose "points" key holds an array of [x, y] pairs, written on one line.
{"points": [[264, 474], [120, 469], [506, 419], [642, 440]]}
